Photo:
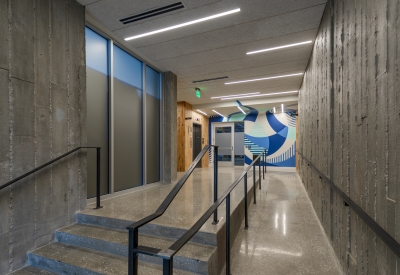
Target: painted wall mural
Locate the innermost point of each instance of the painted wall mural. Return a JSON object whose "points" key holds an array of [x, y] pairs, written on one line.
{"points": [[264, 129]]}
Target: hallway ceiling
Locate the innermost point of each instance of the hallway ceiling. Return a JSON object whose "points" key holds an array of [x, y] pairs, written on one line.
{"points": [[218, 47]]}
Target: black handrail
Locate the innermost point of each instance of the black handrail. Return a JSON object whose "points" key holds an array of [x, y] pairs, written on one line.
{"points": [[168, 254], [379, 231], [134, 227], [58, 158]]}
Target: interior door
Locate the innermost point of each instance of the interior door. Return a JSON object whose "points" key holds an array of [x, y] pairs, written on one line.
{"points": [[223, 136], [196, 142]]}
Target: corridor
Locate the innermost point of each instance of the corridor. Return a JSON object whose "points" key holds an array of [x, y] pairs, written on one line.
{"points": [[284, 234]]}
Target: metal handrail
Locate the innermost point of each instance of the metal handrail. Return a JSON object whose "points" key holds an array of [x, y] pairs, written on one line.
{"points": [[58, 158], [168, 254], [379, 231], [175, 247], [167, 201], [134, 227]]}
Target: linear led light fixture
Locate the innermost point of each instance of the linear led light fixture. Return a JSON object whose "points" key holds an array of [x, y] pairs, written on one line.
{"points": [[283, 108], [234, 97], [281, 47], [265, 78], [218, 113], [241, 110], [274, 110], [183, 24], [202, 112]]}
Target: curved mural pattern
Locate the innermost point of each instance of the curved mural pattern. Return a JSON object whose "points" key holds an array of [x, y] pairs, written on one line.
{"points": [[264, 129]]}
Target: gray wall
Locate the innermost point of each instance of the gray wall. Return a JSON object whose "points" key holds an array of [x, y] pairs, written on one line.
{"points": [[170, 132], [42, 115], [349, 127]]}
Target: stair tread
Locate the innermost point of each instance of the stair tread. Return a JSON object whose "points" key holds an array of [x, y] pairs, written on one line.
{"points": [[197, 251], [30, 270], [93, 261]]}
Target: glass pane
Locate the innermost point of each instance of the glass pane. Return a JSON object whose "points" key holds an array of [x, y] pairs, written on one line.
{"points": [[239, 143], [153, 104], [97, 109], [127, 121], [223, 139]]}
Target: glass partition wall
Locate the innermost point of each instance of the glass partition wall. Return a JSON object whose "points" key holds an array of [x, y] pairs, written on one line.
{"points": [[123, 116]]}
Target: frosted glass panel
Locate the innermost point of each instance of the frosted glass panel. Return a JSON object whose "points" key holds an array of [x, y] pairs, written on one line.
{"points": [[223, 139], [97, 109], [127, 121], [239, 143], [153, 104]]}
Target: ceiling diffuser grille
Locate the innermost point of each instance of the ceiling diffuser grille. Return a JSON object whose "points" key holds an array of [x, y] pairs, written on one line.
{"points": [[210, 79], [152, 13]]}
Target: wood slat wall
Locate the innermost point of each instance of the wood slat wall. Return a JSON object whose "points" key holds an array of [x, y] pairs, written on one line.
{"points": [[185, 133]]}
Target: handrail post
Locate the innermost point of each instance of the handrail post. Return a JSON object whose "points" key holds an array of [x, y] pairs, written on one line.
{"points": [[215, 221], [132, 256], [246, 218], [168, 267], [254, 184], [263, 163], [228, 234], [259, 172], [98, 179]]}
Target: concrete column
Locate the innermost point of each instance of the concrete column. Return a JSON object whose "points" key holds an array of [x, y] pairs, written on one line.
{"points": [[170, 127]]}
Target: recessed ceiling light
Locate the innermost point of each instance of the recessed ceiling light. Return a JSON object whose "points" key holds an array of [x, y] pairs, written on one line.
{"points": [[234, 97], [265, 78], [202, 112], [281, 47], [183, 24], [218, 113], [241, 110]]}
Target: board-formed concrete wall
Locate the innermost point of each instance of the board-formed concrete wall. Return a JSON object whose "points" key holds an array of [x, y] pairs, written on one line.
{"points": [[42, 115], [349, 127]]}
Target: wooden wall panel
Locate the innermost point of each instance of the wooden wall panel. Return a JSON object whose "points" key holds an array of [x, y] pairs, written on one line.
{"points": [[186, 118]]}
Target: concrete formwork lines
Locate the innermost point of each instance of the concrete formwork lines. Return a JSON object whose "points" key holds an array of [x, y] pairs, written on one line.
{"points": [[32, 111], [365, 129]]}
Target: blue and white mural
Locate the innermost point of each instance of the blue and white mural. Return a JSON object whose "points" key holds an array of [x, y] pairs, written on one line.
{"points": [[264, 129]]}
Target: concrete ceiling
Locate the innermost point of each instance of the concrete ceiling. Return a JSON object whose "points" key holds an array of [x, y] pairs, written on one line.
{"points": [[218, 47]]}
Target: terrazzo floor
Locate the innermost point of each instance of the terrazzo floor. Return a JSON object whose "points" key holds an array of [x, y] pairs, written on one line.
{"points": [[284, 234], [195, 197]]}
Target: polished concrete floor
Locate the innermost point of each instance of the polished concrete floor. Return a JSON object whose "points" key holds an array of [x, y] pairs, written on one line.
{"points": [[284, 234], [195, 197], [284, 237]]}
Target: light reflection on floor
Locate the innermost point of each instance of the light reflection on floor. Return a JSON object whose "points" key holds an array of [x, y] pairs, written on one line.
{"points": [[284, 235]]}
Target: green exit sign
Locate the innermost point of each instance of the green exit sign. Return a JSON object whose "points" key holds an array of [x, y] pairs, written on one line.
{"points": [[198, 94]]}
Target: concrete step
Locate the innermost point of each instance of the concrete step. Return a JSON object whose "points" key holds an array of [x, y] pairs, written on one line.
{"points": [[67, 259], [153, 229], [30, 270], [198, 258]]}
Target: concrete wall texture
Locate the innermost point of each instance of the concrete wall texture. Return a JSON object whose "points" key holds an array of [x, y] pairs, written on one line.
{"points": [[170, 135], [42, 115], [349, 127]]}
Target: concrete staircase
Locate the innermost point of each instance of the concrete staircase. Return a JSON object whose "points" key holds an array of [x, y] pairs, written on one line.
{"points": [[98, 244]]}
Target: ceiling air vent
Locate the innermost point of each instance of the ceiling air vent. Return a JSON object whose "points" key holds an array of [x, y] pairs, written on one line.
{"points": [[210, 79], [152, 13]]}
